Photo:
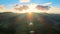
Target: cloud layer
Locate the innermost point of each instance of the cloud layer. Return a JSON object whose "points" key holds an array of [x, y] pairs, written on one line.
{"points": [[31, 8]]}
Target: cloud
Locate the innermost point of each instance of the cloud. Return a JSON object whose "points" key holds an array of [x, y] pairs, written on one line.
{"points": [[21, 1], [2, 8], [31, 8], [54, 10], [47, 4]]}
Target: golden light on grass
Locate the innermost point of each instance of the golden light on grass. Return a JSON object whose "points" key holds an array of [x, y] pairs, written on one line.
{"points": [[29, 16]]}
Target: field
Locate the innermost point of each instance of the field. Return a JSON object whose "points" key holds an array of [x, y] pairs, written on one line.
{"points": [[40, 23]]}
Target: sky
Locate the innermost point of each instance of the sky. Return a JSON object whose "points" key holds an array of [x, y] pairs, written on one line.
{"points": [[55, 3]]}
